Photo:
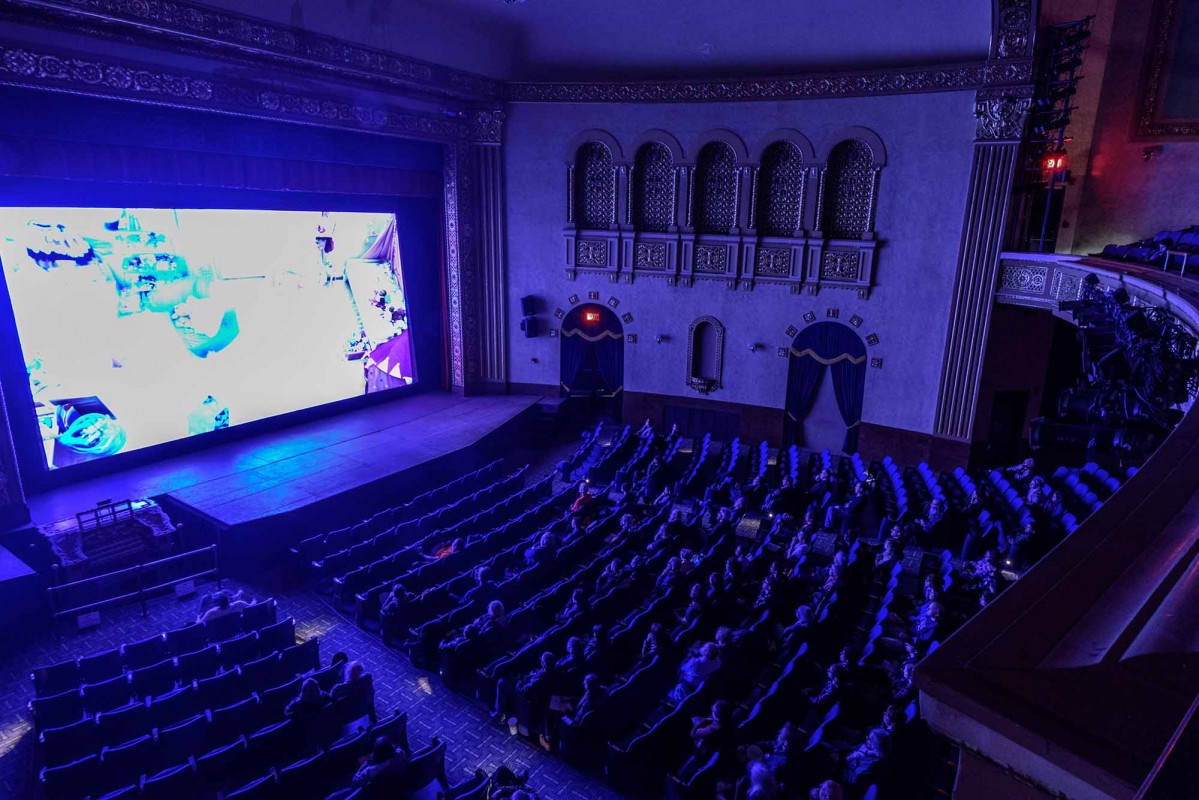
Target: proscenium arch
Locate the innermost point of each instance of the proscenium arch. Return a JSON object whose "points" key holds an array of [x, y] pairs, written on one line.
{"points": [[595, 135]]}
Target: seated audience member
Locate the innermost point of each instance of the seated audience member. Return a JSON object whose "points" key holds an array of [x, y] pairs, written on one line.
{"points": [[445, 549], [713, 733], [771, 586], [590, 702], [762, 784], [861, 764], [783, 755], [385, 767], [306, 707], [1022, 471], [358, 683], [928, 527], [695, 671], [695, 605], [340, 659], [543, 551], [610, 578], [484, 585], [901, 684], [654, 643], [887, 556], [829, 790], [983, 575], [1014, 549], [799, 629], [820, 488], [715, 590], [1054, 507], [799, 547], [670, 573], [830, 692], [979, 539], [393, 612], [493, 619], [584, 499], [578, 604], [223, 605], [837, 516]]}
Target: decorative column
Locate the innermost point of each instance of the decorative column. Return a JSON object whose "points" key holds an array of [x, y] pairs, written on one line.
{"points": [[1001, 113], [475, 270]]}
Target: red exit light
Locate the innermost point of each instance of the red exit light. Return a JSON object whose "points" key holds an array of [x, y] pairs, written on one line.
{"points": [[1054, 163], [591, 316]]}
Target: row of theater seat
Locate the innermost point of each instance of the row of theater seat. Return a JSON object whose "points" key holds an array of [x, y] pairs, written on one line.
{"points": [[434, 501]]}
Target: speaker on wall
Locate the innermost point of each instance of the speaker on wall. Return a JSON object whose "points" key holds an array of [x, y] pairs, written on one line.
{"points": [[528, 305], [531, 326]]}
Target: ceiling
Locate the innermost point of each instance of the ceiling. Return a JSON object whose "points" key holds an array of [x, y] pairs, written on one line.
{"points": [[648, 39]]}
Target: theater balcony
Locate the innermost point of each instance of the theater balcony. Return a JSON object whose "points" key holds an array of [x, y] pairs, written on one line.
{"points": [[1080, 680]]}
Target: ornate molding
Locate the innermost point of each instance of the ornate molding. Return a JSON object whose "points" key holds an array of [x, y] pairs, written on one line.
{"points": [[943, 78], [487, 126], [1000, 116], [453, 267], [173, 22], [106, 77], [1014, 25]]}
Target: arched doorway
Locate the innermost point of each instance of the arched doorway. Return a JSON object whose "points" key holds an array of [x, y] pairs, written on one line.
{"points": [[591, 365], [835, 349]]}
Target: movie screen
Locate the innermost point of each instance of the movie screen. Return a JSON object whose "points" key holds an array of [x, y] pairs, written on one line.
{"points": [[141, 326]]}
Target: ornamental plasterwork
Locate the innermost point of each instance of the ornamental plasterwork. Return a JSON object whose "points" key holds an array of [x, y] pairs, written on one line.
{"points": [[711, 258], [179, 22], [107, 77], [849, 187], [653, 188], [595, 188], [1000, 117], [773, 261], [716, 192], [487, 126], [1065, 286], [591, 253], [1013, 21], [839, 265], [1023, 278], [649, 255]]}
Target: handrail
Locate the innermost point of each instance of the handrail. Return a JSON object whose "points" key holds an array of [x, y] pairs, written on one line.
{"points": [[142, 591]]}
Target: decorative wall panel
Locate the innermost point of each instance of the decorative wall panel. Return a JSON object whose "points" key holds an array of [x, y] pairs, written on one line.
{"points": [[773, 261], [592, 253], [711, 258], [840, 265], [716, 189], [650, 255], [594, 187], [653, 188], [849, 187], [781, 183]]}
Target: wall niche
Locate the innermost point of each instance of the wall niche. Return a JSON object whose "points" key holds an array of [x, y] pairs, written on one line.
{"points": [[705, 355]]}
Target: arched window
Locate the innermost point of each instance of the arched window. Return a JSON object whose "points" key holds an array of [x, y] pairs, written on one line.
{"points": [[848, 207], [705, 354], [716, 189], [653, 188], [781, 182], [594, 187]]}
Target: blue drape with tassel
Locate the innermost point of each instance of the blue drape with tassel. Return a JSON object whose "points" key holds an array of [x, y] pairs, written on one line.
{"points": [[827, 344]]}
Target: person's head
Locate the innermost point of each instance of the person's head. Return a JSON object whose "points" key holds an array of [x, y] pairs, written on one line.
{"points": [[724, 635], [547, 660], [338, 658], [909, 669], [574, 647], [354, 670], [937, 504], [598, 633], [708, 651], [830, 790], [676, 515], [1056, 496], [760, 775], [685, 555], [991, 556], [843, 656], [397, 590], [809, 516], [578, 595], [656, 629], [896, 532], [891, 717], [614, 565], [876, 741], [840, 557], [1036, 482], [672, 564], [833, 671], [222, 600], [310, 690], [576, 524], [590, 681], [803, 615], [696, 591], [715, 582], [1030, 527], [1028, 463], [584, 488], [776, 569], [495, 609], [471, 631], [721, 711], [889, 548], [975, 498], [457, 544], [627, 521], [383, 750], [859, 488], [824, 475], [547, 539], [782, 742], [482, 574]]}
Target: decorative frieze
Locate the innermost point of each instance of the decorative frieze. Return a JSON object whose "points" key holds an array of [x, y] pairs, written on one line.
{"points": [[649, 256], [711, 258], [773, 261], [839, 265], [1023, 278], [591, 253]]}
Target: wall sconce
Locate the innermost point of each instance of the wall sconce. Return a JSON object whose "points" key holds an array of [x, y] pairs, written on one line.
{"points": [[754, 346], [533, 360], [1151, 151], [661, 337]]}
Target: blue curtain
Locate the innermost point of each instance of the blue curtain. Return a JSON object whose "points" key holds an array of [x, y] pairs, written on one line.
{"points": [[803, 381], [833, 345], [574, 350], [604, 334], [609, 352]]}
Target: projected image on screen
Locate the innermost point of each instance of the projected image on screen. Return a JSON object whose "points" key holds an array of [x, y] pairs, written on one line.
{"points": [[142, 326]]}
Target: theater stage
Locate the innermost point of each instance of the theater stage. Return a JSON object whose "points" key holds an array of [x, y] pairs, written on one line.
{"points": [[295, 481]]}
